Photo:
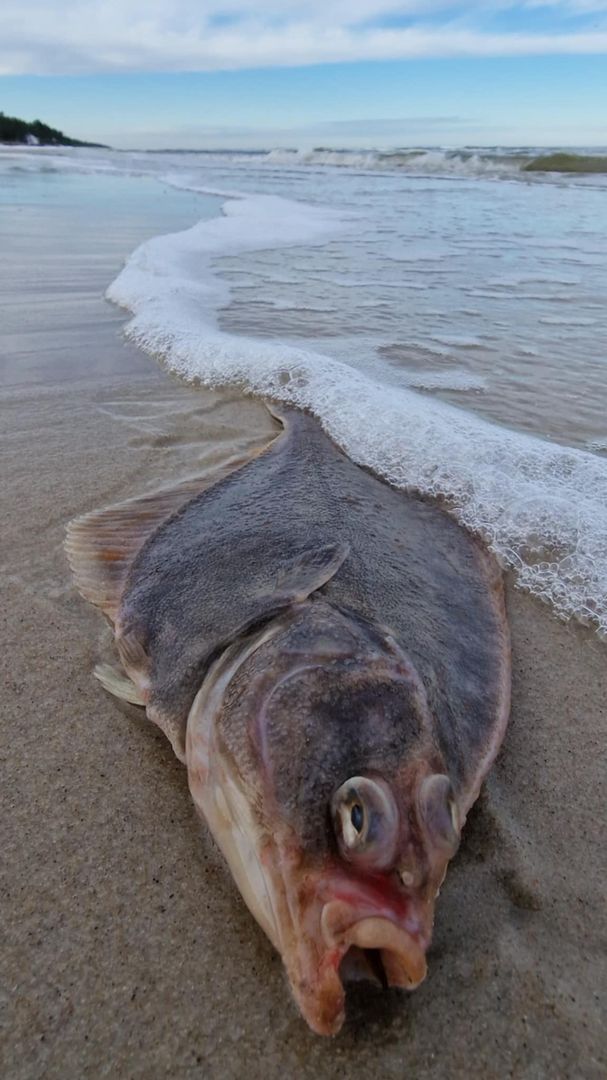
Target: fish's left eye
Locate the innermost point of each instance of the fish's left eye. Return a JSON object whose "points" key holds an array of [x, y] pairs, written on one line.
{"points": [[365, 819]]}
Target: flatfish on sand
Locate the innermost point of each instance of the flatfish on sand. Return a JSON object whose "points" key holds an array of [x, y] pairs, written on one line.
{"points": [[330, 659]]}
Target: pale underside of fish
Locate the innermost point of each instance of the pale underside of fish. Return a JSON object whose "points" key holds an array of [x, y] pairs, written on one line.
{"points": [[330, 659]]}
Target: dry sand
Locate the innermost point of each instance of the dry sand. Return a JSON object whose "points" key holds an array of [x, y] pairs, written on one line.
{"points": [[126, 950]]}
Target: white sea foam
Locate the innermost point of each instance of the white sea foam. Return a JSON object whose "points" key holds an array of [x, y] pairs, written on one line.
{"points": [[541, 506], [443, 380], [460, 341]]}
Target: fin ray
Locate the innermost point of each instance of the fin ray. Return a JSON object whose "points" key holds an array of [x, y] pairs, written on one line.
{"points": [[118, 684], [102, 545]]}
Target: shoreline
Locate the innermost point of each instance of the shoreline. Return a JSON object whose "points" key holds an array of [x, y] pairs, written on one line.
{"points": [[127, 947]]}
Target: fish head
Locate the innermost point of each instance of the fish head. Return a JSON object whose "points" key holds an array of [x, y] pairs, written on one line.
{"points": [[313, 759]]}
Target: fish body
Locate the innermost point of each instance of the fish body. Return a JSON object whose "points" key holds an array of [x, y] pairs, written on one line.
{"points": [[330, 659]]}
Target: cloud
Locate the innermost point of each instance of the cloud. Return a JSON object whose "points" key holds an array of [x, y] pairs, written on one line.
{"points": [[342, 134], [90, 36], [571, 7], [378, 125]]}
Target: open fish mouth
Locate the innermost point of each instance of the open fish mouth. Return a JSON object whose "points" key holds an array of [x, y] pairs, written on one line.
{"points": [[355, 946], [373, 947]]}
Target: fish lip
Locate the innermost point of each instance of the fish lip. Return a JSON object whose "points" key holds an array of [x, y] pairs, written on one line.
{"points": [[402, 950], [314, 964]]}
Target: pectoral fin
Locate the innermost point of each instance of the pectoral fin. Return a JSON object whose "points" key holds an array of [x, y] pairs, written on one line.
{"points": [[307, 573]]}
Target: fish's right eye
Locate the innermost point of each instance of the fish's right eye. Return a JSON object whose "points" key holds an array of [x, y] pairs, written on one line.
{"points": [[357, 817], [365, 820]]}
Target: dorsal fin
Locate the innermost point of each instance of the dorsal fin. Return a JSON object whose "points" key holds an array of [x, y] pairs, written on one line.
{"points": [[102, 545]]}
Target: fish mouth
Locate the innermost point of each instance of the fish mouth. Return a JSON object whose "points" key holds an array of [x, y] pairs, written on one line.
{"points": [[354, 946], [392, 956], [373, 946]]}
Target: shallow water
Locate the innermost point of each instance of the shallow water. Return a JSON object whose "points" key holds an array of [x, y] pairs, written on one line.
{"points": [[60, 234], [491, 295], [467, 279], [380, 298]]}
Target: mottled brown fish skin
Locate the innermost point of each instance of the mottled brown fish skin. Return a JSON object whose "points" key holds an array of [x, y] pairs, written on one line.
{"points": [[329, 697], [246, 548]]}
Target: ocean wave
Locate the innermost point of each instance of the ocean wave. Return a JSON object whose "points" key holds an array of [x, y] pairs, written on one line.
{"points": [[541, 506], [422, 162], [186, 168]]}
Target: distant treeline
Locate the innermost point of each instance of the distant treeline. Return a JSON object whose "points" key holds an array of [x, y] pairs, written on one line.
{"points": [[13, 130]]}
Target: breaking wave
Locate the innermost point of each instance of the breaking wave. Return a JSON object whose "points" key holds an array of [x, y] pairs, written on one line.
{"points": [[426, 162]]}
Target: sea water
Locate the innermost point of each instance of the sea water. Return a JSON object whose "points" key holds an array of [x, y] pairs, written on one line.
{"points": [[443, 313]]}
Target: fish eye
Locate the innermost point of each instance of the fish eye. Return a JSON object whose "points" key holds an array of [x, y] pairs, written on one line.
{"points": [[357, 817], [439, 810], [365, 820]]}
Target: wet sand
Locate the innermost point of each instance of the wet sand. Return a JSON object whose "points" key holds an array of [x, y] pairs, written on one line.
{"points": [[126, 950]]}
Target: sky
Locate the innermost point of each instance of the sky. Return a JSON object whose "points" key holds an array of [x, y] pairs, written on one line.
{"points": [[244, 73]]}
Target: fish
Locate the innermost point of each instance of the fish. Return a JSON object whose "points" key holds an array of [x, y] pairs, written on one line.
{"points": [[330, 659]]}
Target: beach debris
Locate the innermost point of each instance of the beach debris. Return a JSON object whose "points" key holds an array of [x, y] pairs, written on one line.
{"points": [[330, 659]]}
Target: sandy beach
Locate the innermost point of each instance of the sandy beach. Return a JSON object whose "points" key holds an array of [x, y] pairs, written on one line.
{"points": [[126, 949]]}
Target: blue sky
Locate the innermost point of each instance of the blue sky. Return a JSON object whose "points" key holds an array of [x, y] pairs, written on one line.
{"points": [[204, 73]]}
